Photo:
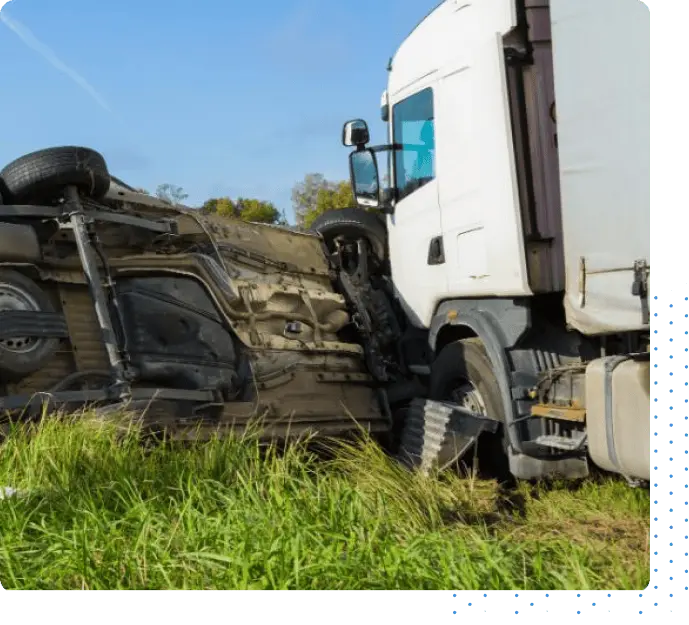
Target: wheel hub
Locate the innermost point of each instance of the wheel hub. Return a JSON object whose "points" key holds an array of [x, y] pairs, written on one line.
{"points": [[348, 250], [467, 396], [14, 298], [463, 393]]}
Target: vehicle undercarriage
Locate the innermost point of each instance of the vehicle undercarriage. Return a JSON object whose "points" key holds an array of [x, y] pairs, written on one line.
{"points": [[108, 296], [200, 325]]}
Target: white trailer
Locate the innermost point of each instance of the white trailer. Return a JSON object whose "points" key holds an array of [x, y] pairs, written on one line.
{"points": [[518, 222]]}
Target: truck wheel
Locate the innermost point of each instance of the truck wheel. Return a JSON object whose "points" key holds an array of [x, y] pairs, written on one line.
{"points": [[350, 224], [463, 374], [40, 175], [21, 356]]}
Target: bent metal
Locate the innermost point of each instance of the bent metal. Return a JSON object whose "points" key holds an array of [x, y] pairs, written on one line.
{"points": [[113, 299]]}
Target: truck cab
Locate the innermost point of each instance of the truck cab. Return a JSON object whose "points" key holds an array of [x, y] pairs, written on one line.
{"points": [[518, 214]]}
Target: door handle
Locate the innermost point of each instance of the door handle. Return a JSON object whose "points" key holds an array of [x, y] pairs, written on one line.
{"points": [[436, 251]]}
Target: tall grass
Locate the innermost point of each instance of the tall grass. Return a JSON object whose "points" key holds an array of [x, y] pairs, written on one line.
{"points": [[100, 510]]}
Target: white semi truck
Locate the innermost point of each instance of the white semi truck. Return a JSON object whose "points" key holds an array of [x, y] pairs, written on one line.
{"points": [[516, 230]]}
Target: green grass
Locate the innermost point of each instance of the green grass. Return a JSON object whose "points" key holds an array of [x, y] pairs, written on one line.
{"points": [[102, 511]]}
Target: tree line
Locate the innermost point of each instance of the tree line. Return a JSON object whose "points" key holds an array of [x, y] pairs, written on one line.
{"points": [[310, 198]]}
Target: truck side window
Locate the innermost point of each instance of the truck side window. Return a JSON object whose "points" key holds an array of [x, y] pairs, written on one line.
{"points": [[414, 130]]}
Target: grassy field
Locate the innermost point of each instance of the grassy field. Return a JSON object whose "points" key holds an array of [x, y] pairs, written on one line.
{"points": [[100, 512]]}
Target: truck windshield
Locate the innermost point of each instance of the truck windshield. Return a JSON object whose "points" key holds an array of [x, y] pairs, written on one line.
{"points": [[414, 131]]}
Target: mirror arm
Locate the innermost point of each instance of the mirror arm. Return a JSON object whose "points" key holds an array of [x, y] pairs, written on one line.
{"points": [[388, 147]]}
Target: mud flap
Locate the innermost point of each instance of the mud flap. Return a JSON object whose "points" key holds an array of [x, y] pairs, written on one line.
{"points": [[427, 425]]}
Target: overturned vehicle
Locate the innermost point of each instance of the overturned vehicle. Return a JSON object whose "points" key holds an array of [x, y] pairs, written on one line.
{"points": [[112, 298]]}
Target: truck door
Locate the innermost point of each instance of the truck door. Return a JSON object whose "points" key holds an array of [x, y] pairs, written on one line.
{"points": [[416, 250], [478, 190]]}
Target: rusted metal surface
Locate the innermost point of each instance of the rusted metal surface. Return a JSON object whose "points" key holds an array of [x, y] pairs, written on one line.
{"points": [[85, 341], [563, 413]]}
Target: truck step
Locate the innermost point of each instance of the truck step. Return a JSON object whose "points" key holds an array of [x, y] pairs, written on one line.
{"points": [[427, 426], [560, 442]]}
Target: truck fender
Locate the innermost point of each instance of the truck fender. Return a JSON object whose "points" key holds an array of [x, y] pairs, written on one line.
{"points": [[482, 317], [500, 324]]}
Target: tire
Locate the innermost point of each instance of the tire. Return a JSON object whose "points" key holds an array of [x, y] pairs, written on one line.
{"points": [[19, 358], [4, 192], [354, 223], [43, 174], [463, 362]]}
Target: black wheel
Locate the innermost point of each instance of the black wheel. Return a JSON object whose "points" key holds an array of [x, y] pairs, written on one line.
{"points": [[351, 224], [42, 174], [463, 374], [23, 355]]}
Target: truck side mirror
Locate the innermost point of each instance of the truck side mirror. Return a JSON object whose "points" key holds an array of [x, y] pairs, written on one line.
{"points": [[363, 169], [355, 133]]}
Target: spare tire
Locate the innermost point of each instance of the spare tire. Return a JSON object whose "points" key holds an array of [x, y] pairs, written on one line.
{"points": [[353, 223], [40, 175]]}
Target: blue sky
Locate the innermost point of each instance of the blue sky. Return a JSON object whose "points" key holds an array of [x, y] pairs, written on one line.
{"points": [[218, 96]]}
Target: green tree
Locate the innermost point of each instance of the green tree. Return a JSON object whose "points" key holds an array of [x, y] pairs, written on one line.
{"points": [[257, 211], [170, 193], [339, 195], [304, 195], [246, 209], [225, 207], [315, 195], [210, 206], [222, 206]]}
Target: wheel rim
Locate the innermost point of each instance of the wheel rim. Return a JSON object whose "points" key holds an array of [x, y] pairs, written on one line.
{"points": [[466, 395], [347, 247], [14, 298]]}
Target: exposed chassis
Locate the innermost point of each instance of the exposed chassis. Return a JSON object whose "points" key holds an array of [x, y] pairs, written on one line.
{"points": [[203, 326]]}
